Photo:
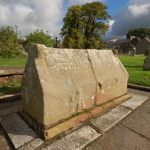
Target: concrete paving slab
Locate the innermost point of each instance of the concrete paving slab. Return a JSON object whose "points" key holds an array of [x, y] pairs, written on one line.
{"points": [[76, 140], [18, 131], [4, 144], [108, 120], [120, 138], [9, 104], [8, 111], [31, 145], [139, 121], [135, 101]]}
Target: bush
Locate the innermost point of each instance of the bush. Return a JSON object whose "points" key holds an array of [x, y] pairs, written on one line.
{"points": [[38, 37], [8, 43]]}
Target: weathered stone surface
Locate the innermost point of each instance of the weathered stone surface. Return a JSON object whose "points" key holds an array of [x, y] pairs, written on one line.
{"points": [[120, 138], [147, 52], [17, 130], [50, 133], [108, 105], [62, 87], [58, 83], [116, 101], [76, 140], [7, 70], [146, 65], [31, 145], [12, 96], [135, 101], [8, 111], [96, 110], [110, 74], [108, 120], [133, 51]]}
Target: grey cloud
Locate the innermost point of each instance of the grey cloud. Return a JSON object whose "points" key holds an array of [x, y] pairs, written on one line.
{"points": [[125, 21]]}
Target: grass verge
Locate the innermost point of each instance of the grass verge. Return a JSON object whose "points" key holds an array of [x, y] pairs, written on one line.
{"points": [[13, 62], [15, 87], [134, 66], [9, 90]]}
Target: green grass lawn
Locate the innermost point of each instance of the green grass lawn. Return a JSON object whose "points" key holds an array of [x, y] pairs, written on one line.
{"points": [[13, 62], [134, 66]]}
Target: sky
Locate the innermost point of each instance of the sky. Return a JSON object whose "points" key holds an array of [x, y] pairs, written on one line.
{"points": [[30, 15]]}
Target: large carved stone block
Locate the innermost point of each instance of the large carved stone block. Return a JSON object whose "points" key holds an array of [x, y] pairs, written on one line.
{"points": [[58, 83]]}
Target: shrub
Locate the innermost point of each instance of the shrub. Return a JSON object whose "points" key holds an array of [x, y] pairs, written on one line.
{"points": [[8, 43], [38, 37]]}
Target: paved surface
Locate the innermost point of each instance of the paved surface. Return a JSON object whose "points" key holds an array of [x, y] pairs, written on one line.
{"points": [[9, 70], [11, 67], [130, 133]]}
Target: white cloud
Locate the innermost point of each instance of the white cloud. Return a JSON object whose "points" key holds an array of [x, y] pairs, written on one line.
{"points": [[111, 22], [31, 15], [135, 14], [79, 2], [140, 10]]}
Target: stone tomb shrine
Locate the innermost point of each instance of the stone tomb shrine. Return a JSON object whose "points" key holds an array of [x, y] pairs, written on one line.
{"points": [[57, 84]]}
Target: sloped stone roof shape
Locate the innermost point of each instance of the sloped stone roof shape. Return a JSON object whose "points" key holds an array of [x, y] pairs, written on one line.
{"points": [[122, 41], [148, 39]]}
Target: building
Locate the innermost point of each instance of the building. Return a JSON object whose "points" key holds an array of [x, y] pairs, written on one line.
{"points": [[143, 45], [125, 45], [58, 44], [108, 44]]}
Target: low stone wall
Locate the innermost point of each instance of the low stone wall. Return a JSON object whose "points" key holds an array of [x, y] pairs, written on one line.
{"points": [[59, 83]]}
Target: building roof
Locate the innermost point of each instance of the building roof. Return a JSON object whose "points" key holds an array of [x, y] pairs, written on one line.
{"points": [[132, 46], [147, 39], [122, 41], [111, 42]]}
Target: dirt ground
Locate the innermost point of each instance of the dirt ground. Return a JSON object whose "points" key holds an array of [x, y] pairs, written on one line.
{"points": [[10, 80]]}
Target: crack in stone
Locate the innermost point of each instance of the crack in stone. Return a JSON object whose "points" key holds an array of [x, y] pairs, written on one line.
{"points": [[89, 59]]}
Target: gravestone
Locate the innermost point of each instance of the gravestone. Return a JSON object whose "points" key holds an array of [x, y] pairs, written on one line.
{"points": [[146, 65], [129, 53], [59, 83], [133, 51], [147, 52]]}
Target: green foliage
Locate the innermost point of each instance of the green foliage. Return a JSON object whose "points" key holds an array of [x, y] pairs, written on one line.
{"points": [[38, 37], [13, 61], [8, 43], [140, 32], [72, 29], [84, 25]]}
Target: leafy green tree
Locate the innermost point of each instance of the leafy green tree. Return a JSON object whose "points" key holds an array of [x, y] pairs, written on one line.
{"points": [[8, 43], [94, 15], [38, 37], [72, 29], [140, 32], [84, 25]]}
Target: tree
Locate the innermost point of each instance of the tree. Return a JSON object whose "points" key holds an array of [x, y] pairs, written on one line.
{"points": [[38, 37], [84, 25], [140, 32], [72, 29], [8, 43]]}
